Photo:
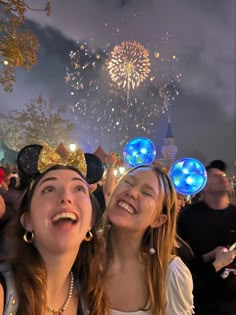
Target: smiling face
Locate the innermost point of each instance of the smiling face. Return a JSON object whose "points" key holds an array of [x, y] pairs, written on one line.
{"points": [[135, 203], [60, 211]]}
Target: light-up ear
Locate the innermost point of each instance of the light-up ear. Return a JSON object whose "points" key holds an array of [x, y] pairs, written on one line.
{"points": [[159, 221]]}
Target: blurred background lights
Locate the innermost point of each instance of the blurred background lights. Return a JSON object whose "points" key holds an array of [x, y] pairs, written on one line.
{"points": [[72, 147]]}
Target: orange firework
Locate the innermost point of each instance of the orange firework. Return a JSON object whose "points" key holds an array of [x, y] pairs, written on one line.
{"points": [[129, 65]]}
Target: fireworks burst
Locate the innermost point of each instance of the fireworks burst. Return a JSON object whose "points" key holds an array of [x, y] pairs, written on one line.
{"points": [[100, 81], [129, 65]]}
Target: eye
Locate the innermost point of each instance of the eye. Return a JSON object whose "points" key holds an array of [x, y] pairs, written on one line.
{"points": [[147, 194], [128, 182], [47, 189], [81, 188], [146, 191]]}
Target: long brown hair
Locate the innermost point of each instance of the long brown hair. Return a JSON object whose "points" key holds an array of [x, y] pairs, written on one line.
{"points": [[163, 242], [28, 267]]}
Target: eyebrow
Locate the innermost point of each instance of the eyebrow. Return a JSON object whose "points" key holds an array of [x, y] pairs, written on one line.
{"points": [[150, 188], [147, 186], [55, 178]]}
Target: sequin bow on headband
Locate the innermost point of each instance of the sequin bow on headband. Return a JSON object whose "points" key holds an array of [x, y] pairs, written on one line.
{"points": [[48, 158]]}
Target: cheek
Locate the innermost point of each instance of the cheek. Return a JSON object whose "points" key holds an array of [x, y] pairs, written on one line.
{"points": [[153, 209], [90, 214], [38, 211], [36, 216], [112, 201], [86, 208], [109, 212]]}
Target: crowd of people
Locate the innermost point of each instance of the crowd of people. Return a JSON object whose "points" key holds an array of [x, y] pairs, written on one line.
{"points": [[128, 247]]}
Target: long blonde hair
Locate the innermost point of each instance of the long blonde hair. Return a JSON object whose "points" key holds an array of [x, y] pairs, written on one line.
{"points": [[163, 242]]}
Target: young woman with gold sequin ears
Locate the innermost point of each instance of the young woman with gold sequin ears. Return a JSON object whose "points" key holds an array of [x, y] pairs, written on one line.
{"points": [[49, 236], [138, 274]]}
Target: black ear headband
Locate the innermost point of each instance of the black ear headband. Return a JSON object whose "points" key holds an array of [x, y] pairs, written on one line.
{"points": [[28, 158], [95, 168]]}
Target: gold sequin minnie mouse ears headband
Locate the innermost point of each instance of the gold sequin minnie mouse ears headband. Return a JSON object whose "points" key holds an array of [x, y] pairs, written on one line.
{"points": [[48, 158], [34, 159]]}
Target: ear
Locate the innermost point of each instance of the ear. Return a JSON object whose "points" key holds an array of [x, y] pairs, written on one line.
{"points": [[159, 221], [25, 221]]}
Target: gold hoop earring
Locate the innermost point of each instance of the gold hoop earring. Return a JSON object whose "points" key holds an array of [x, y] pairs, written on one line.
{"points": [[88, 236], [28, 237], [152, 250]]}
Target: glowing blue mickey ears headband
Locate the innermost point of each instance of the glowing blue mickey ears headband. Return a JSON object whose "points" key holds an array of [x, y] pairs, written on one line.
{"points": [[188, 175], [139, 151]]}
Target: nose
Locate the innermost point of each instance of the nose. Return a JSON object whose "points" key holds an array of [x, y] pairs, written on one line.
{"points": [[64, 201], [133, 192], [65, 197]]}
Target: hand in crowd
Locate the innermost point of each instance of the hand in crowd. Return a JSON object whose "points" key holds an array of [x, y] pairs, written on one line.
{"points": [[111, 159], [223, 258], [2, 207], [212, 254], [4, 186]]}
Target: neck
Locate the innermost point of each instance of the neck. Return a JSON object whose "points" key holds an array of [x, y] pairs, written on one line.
{"points": [[60, 309], [125, 244], [60, 288], [216, 201], [58, 278]]}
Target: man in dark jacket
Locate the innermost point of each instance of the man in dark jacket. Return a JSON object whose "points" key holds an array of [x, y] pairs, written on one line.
{"points": [[209, 227]]}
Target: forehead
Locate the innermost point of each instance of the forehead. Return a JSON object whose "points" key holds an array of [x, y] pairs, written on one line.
{"points": [[61, 173], [145, 174], [215, 171]]}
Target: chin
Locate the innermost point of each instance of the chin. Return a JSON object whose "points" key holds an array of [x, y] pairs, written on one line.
{"points": [[71, 244]]}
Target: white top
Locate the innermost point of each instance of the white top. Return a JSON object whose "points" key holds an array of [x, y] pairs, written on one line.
{"points": [[179, 295]]}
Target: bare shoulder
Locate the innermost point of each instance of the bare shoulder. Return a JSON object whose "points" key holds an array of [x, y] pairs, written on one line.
{"points": [[1, 299]]}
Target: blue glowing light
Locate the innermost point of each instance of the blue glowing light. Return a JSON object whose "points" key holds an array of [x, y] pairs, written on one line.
{"points": [[139, 151], [188, 176]]}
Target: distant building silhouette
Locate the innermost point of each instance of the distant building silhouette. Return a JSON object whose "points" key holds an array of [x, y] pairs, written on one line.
{"points": [[169, 149]]}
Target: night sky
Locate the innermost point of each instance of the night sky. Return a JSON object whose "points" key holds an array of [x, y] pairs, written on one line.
{"points": [[191, 46]]}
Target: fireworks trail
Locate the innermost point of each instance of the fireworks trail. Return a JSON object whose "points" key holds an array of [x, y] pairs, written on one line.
{"points": [[85, 77], [165, 76], [83, 61]]}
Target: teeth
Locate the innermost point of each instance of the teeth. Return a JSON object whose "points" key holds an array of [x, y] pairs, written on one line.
{"points": [[126, 207], [64, 215]]}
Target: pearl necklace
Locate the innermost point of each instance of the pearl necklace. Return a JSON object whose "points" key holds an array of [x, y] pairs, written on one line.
{"points": [[67, 302]]}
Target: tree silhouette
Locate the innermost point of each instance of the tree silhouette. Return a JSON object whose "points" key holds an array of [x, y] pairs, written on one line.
{"points": [[18, 47], [41, 121]]}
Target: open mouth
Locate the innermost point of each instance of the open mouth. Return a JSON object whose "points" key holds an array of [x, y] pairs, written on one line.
{"points": [[65, 217], [127, 207]]}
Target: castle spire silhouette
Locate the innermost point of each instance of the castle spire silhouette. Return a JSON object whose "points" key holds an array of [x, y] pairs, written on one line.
{"points": [[169, 149]]}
